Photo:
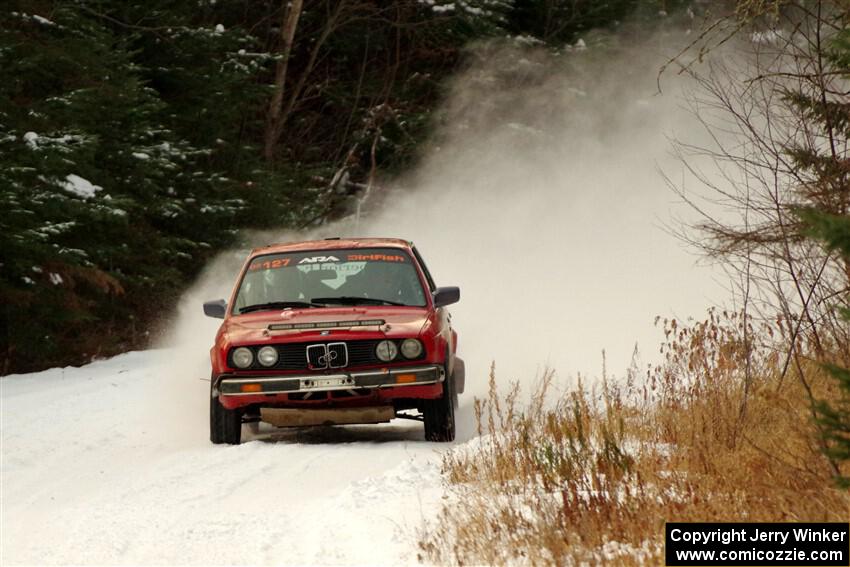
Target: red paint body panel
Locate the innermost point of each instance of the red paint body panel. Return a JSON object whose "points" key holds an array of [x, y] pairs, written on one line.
{"points": [[428, 324]]}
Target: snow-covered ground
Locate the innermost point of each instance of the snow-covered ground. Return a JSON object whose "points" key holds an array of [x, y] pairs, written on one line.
{"points": [[110, 464]]}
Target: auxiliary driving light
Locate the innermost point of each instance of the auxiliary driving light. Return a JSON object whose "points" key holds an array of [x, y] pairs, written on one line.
{"points": [[243, 357], [386, 351], [267, 356], [411, 348]]}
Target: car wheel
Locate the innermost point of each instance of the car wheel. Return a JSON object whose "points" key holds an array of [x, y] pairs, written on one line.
{"points": [[439, 414], [225, 424]]}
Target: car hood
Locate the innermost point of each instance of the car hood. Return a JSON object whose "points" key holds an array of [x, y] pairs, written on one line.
{"points": [[288, 324]]}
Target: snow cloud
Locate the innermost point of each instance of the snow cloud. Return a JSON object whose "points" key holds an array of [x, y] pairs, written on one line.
{"points": [[541, 198]]}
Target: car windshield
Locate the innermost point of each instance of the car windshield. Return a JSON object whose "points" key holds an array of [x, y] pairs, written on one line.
{"points": [[361, 276]]}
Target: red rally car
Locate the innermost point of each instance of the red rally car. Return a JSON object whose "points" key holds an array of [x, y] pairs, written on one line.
{"points": [[332, 332]]}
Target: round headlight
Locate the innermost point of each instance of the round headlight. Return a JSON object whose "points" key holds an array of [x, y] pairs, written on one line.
{"points": [[411, 348], [242, 357], [386, 351], [267, 356]]}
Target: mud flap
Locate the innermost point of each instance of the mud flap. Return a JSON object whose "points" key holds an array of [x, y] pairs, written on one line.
{"points": [[459, 375]]}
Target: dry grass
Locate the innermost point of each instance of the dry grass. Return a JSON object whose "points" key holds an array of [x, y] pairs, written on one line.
{"points": [[593, 476]]}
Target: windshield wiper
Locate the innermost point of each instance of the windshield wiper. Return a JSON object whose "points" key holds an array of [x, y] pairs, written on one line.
{"points": [[277, 305], [354, 300]]}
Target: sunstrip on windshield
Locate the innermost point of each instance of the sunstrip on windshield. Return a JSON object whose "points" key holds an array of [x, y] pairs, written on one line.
{"points": [[376, 258], [334, 259], [269, 264], [326, 325]]}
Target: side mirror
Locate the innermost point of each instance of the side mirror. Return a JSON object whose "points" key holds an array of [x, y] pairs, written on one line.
{"points": [[446, 296], [215, 308]]}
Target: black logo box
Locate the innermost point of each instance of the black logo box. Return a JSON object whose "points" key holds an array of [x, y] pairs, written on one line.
{"points": [[788, 543]]}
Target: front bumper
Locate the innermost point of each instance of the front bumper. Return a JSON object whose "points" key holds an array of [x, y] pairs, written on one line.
{"points": [[231, 385]]}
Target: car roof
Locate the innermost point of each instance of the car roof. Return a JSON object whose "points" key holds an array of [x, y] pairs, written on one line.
{"points": [[332, 244]]}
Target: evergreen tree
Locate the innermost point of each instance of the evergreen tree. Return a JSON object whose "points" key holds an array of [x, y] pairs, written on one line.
{"points": [[834, 418], [827, 218], [110, 208], [557, 22]]}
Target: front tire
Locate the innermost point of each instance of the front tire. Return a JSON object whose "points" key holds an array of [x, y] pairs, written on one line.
{"points": [[225, 424], [439, 414]]}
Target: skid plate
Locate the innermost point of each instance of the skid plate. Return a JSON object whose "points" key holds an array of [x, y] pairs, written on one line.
{"points": [[291, 417]]}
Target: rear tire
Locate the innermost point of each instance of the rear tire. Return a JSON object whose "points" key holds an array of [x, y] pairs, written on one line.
{"points": [[225, 424], [439, 414]]}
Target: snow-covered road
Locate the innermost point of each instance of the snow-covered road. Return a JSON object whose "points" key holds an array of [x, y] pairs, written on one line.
{"points": [[110, 464]]}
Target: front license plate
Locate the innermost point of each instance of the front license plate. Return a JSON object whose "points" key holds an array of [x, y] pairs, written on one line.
{"points": [[325, 382]]}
